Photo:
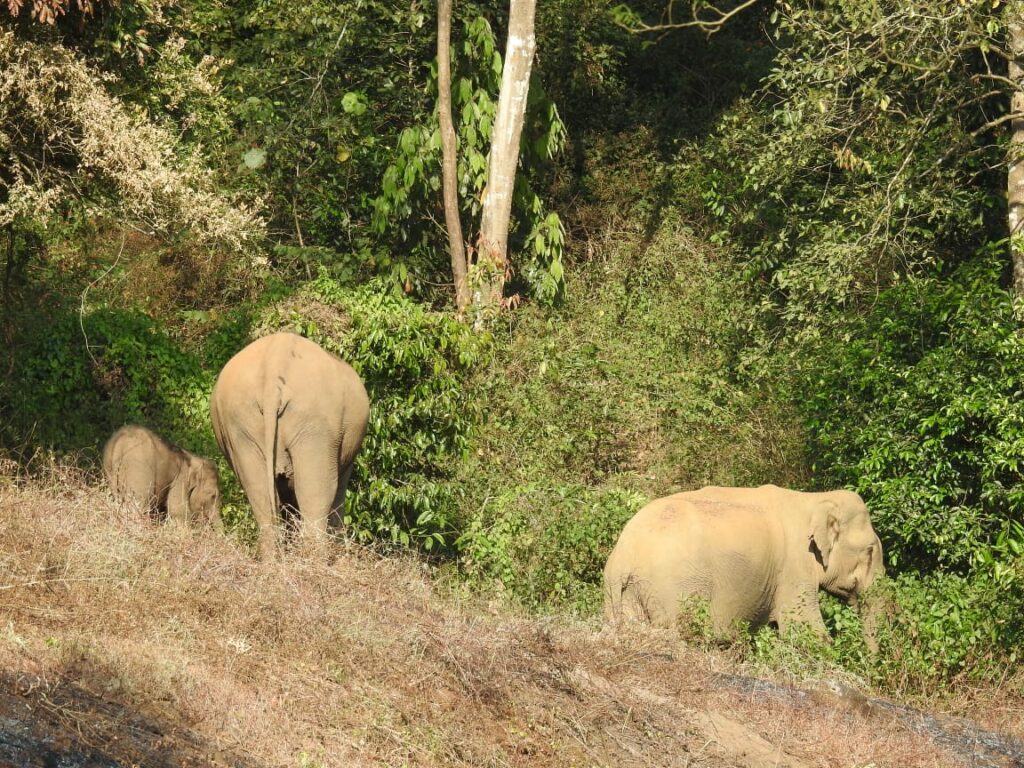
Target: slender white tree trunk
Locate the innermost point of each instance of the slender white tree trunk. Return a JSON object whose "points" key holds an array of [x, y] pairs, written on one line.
{"points": [[1015, 174], [492, 247], [449, 156]]}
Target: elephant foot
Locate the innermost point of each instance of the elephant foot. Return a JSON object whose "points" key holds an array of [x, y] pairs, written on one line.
{"points": [[268, 549], [315, 547]]}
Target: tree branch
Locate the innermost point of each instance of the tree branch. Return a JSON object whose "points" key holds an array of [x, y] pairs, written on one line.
{"points": [[707, 26]]}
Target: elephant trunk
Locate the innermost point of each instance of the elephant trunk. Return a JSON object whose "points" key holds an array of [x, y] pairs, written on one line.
{"points": [[874, 608]]}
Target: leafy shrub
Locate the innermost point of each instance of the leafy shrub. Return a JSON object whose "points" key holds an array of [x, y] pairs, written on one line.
{"points": [[947, 627], [546, 546], [49, 396], [634, 382], [151, 379], [416, 365], [77, 379], [827, 176], [918, 405]]}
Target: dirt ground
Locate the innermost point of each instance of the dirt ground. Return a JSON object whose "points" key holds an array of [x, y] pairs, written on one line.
{"points": [[125, 643]]}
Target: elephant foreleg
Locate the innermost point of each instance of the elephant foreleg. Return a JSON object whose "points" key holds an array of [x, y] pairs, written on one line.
{"points": [[177, 500], [134, 486], [802, 608]]}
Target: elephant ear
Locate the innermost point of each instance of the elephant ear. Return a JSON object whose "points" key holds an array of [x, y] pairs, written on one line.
{"points": [[825, 529]]}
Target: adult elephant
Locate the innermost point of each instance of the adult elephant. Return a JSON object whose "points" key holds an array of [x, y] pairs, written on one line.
{"points": [[283, 409], [161, 478], [756, 555]]}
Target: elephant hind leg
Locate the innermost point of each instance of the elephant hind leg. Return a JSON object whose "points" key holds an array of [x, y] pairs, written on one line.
{"points": [[135, 487], [250, 466], [634, 603], [316, 487], [337, 516]]}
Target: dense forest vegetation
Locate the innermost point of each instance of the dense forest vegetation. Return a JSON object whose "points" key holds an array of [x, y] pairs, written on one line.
{"points": [[773, 247]]}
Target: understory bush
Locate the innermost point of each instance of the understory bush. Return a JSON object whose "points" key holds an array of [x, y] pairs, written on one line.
{"points": [[933, 633], [947, 628], [545, 546], [78, 378], [633, 381], [918, 406], [417, 366]]}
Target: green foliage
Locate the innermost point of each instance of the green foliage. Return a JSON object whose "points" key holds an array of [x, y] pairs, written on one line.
{"points": [[633, 383], [545, 547], [866, 155], [150, 377], [800, 652], [77, 379], [314, 96], [48, 392], [694, 622], [932, 632], [947, 628], [416, 365], [918, 405]]}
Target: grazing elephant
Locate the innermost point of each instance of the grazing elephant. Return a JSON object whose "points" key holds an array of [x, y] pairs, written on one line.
{"points": [[143, 468], [757, 555], [290, 418]]}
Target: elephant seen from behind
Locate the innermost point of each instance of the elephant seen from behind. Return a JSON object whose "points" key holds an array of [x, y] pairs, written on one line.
{"points": [[756, 555], [166, 481], [290, 418]]}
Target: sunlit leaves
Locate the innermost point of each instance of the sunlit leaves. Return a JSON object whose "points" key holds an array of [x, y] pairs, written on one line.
{"points": [[254, 158], [354, 103]]}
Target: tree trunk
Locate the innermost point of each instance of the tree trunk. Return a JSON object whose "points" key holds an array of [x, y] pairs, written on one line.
{"points": [[449, 157], [1015, 175], [492, 247]]}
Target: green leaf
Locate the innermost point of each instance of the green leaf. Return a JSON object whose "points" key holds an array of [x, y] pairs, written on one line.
{"points": [[254, 158], [354, 103]]}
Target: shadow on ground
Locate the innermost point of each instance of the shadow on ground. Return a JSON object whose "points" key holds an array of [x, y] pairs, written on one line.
{"points": [[57, 724], [978, 747]]}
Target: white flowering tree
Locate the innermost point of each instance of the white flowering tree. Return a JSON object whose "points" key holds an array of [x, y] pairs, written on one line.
{"points": [[63, 136]]}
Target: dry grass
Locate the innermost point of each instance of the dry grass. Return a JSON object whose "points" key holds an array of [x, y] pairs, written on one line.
{"points": [[176, 643]]}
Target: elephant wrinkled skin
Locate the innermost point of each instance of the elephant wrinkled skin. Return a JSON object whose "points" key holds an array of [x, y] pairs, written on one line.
{"points": [[285, 409], [165, 480], [756, 555]]}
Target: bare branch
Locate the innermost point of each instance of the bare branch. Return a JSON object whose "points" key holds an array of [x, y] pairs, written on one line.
{"points": [[707, 26]]}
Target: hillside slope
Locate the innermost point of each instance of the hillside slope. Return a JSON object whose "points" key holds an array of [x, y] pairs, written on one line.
{"points": [[125, 643]]}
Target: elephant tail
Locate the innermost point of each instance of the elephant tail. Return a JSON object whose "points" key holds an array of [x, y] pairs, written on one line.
{"points": [[613, 589], [271, 415], [612, 603]]}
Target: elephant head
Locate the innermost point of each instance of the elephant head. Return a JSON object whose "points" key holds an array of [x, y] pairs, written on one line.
{"points": [[203, 491], [845, 544]]}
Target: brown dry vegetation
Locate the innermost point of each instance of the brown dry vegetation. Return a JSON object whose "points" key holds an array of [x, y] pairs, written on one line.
{"points": [[158, 645]]}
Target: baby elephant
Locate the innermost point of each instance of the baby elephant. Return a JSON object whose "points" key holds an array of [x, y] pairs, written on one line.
{"points": [[756, 555], [143, 468]]}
